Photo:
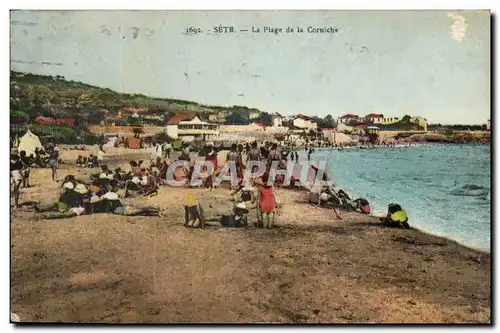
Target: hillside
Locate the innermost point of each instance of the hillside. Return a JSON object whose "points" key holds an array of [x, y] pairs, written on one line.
{"points": [[53, 96], [57, 97]]}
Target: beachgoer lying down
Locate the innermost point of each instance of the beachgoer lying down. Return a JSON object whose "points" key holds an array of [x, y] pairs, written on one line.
{"points": [[396, 217], [79, 200], [237, 219]]}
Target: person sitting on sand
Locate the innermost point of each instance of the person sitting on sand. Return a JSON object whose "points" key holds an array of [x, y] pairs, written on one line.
{"points": [[68, 205], [69, 179], [149, 185], [396, 217], [84, 162], [79, 161], [266, 202], [164, 169], [132, 187], [247, 195]]}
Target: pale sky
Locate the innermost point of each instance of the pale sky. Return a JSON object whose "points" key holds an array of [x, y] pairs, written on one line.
{"points": [[434, 64]]}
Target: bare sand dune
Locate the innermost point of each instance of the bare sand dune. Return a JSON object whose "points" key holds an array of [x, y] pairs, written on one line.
{"points": [[310, 268]]}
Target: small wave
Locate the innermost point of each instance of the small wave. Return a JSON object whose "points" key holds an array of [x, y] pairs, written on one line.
{"points": [[471, 190], [474, 187]]}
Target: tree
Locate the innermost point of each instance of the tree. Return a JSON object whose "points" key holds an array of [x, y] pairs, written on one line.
{"points": [[266, 118], [406, 119], [238, 117], [329, 121]]}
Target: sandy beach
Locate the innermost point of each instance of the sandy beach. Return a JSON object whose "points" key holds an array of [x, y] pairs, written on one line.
{"points": [[311, 268]]}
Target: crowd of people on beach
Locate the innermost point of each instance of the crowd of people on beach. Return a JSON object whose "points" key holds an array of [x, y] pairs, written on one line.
{"points": [[103, 192]]}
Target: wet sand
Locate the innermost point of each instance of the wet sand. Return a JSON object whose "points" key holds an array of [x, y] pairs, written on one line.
{"points": [[310, 268]]}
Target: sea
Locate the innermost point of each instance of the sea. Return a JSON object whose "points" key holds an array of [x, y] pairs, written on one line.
{"points": [[445, 189]]}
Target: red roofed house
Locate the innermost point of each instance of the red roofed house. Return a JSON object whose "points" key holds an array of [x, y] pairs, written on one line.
{"points": [[177, 118], [188, 126], [55, 121], [374, 118], [304, 123], [259, 124], [347, 118]]}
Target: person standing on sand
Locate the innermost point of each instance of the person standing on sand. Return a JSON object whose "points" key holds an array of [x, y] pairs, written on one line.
{"points": [[53, 162], [25, 172], [254, 153], [266, 203], [16, 177], [167, 149], [212, 159]]}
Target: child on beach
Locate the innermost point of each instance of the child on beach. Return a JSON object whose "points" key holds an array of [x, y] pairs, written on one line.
{"points": [[266, 203], [246, 196]]}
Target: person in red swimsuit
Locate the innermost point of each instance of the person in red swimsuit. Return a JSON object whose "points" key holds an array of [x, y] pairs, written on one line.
{"points": [[267, 202]]}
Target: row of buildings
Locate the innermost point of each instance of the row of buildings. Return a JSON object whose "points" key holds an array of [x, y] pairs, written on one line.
{"points": [[375, 119], [190, 125]]}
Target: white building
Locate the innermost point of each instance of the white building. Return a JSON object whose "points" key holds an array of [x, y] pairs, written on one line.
{"points": [[374, 118], [304, 123], [188, 127], [420, 121], [345, 119]]}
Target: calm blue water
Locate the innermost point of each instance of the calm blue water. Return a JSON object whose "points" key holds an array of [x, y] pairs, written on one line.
{"points": [[444, 188]]}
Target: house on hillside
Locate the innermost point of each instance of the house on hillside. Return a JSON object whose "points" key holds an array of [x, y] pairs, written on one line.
{"points": [[302, 123], [420, 122], [374, 118], [188, 127], [347, 118]]}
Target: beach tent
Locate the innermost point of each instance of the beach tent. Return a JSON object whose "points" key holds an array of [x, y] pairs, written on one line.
{"points": [[29, 142]]}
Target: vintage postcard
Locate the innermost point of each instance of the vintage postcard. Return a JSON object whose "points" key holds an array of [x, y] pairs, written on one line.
{"points": [[238, 166]]}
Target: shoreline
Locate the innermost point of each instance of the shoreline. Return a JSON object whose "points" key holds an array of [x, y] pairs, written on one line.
{"points": [[118, 155]]}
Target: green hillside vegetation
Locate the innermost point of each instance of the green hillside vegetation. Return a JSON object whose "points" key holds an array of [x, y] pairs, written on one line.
{"points": [[54, 96]]}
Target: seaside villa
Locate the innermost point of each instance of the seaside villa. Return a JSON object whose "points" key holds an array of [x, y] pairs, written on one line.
{"points": [[379, 119], [187, 127], [347, 118], [303, 123]]}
